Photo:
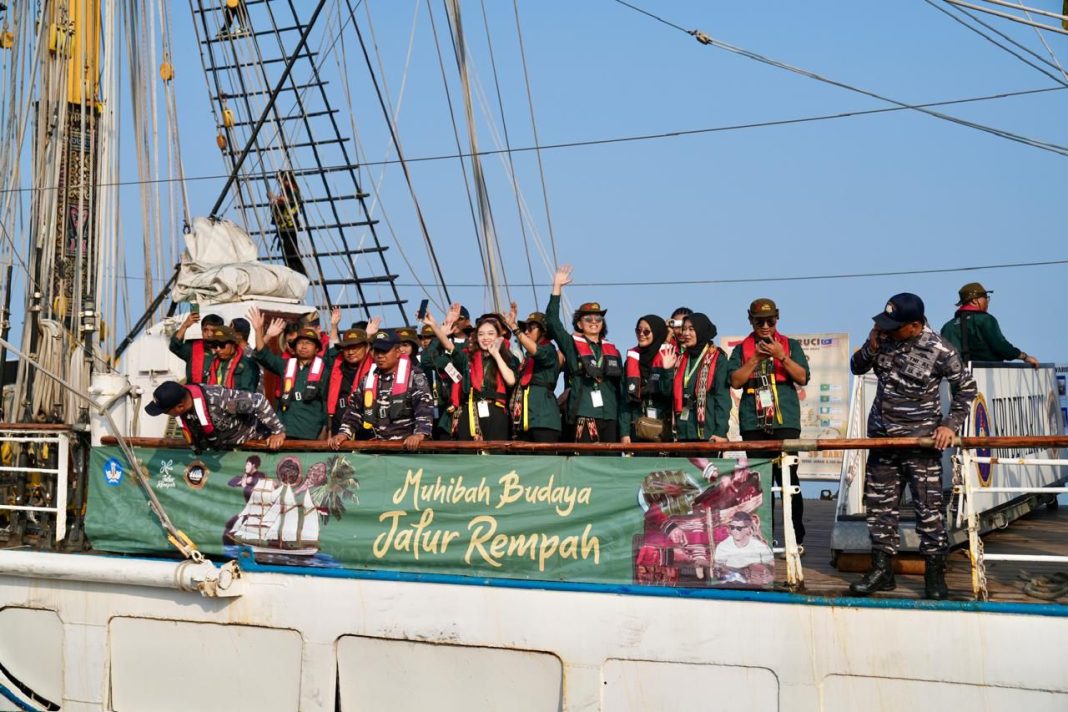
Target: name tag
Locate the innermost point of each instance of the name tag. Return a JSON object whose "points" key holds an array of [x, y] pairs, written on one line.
{"points": [[597, 399], [684, 414], [764, 399], [483, 409], [651, 413], [298, 396], [452, 372]]}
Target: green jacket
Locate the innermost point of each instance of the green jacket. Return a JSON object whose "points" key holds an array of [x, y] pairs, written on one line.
{"points": [[657, 396], [538, 398], [985, 340], [184, 350], [717, 406], [582, 386], [303, 409], [432, 360], [246, 372], [788, 403]]}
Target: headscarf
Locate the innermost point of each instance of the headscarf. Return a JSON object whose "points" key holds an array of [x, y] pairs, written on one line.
{"points": [[646, 354], [705, 330]]}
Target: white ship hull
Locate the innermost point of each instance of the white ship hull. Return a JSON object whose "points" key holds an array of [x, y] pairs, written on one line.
{"points": [[304, 642]]}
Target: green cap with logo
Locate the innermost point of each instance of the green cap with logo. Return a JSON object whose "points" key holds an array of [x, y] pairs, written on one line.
{"points": [[763, 308], [970, 291]]}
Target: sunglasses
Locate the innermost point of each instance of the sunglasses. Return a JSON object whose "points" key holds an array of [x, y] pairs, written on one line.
{"points": [[593, 319], [212, 345], [643, 332], [738, 527], [769, 321]]}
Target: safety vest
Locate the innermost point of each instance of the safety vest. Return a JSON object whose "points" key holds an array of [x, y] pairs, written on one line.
{"points": [[398, 392], [634, 372], [311, 386], [477, 377], [707, 365], [334, 391], [203, 429], [749, 349], [213, 375], [196, 364], [608, 366]]}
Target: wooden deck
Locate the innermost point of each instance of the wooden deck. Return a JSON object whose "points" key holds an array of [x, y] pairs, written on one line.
{"points": [[1044, 531]]}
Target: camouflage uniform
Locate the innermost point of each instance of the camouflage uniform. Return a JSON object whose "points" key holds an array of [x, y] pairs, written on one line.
{"points": [[907, 404], [238, 416], [415, 418]]}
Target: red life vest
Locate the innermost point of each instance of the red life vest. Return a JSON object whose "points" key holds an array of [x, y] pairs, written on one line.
{"points": [[228, 382], [634, 372], [311, 387], [613, 367], [749, 349], [478, 377], [709, 358], [398, 392], [527, 372], [196, 365], [203, 418], [334, 391]]}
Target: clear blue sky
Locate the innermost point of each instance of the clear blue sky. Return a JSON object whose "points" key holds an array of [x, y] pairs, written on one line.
{"points": [[896, 191]]}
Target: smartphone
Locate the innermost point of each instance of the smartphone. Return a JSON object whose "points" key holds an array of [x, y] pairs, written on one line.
{"points": [[421, 314], [766, 339]]}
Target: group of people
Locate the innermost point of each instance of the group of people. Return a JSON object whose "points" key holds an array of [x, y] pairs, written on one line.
{"points": [[495, 378]]}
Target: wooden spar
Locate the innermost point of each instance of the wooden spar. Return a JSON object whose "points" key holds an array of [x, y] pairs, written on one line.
{"points": [[675, 449]]}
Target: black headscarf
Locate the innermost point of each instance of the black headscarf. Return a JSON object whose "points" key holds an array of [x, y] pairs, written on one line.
{"points": [[705, 330], [646, 354]]}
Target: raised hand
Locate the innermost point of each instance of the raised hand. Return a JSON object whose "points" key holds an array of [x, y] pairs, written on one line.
{"points": [[335, 317], [511, 317], [255, 318], [373, 326], [276, 328], [450, 317], [562, 277], [670, 357], [495, 347]]}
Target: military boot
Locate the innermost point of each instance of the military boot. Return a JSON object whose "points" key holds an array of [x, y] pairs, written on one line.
{"points": [[934, 577], [880, 578]]}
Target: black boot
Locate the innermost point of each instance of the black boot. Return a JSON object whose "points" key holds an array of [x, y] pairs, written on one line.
{"points": [[934, 577], [880, 578]]}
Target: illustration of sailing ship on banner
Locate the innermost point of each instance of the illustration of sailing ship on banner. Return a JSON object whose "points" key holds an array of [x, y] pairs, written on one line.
{"points": [[652, 521]]}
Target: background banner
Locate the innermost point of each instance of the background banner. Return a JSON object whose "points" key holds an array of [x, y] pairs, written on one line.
{"points": [[824, 401], [666, 521]]}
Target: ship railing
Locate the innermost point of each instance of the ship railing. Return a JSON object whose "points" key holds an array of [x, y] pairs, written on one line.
{"points": [[973, 490], [48, 479]]}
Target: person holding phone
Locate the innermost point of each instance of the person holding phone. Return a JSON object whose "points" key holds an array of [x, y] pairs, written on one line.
{"points": [[646, 413], [195, 352], [769, 368], [486, 374]]}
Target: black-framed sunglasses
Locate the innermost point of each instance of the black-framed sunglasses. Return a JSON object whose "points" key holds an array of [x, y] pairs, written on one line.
{"points": [[212, 345], [766, 321], [643, 332]]}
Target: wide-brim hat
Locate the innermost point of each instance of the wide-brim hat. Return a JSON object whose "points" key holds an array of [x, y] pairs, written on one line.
{"points": [[311, 334], [220, 334], [406, 334], [534, 318], [427, 332], [590, 308], [972, 290], [354, 337]]}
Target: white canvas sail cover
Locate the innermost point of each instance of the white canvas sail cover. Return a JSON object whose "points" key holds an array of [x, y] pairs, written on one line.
{"points": [[220, 264]]}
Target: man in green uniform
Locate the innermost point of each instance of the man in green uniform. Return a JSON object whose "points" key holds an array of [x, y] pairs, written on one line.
{"points": [[305, 379], [194, 352], [594, 367], [975, 333], [230, 366], [535, 412], [769, 367]]}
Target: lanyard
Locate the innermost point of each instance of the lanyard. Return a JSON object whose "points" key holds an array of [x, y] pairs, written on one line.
{"points": [[691, 368]]}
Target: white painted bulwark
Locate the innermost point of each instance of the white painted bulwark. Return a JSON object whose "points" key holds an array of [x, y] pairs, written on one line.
{"points": [[403, 676], [642, 685], [176, 666], [31, 650], [885, 694]]}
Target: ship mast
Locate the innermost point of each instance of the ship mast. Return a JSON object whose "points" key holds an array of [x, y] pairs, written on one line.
{"points": [[64, 252]]}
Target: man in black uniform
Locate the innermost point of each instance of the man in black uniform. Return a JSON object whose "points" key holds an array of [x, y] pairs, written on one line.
{"points": [[910, 361]]}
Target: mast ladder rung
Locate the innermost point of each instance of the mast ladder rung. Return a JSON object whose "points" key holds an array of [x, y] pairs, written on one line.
{"points": [[336, 198], [361, 305], [359, 280], [241, 35], [318, 228], [260, 92], [274, 60], [298, 117]]}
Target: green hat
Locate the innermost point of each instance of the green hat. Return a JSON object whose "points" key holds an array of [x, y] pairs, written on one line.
{"points": [[970, 291], [311, 334], [591, 308], [763, 308], [534, 318], [354, 337], [219, 334], [427, 332], [407, 334]]}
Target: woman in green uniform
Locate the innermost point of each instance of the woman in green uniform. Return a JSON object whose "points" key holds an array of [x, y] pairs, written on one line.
{"points": [[535, 412], [646, 412], [487, 374], [702, 398], [594, 366]]}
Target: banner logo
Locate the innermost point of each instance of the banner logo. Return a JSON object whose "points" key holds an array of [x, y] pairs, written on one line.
{"points": [[981, 429], [113, 472]]}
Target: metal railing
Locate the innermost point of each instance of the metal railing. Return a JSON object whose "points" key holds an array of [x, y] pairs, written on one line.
{"points": [[40, 488]]}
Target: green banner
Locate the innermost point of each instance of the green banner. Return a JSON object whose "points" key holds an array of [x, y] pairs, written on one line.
{"points": [[663, 521]]}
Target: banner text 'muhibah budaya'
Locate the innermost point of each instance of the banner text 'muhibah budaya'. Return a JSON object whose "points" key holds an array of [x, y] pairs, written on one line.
{"points": [[664, 521]]}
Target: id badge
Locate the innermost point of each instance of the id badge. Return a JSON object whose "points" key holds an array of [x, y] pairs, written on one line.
{"points": [[764, 399], [597, 399], [483, 409], [452, 372], [684, 414], [651, 413]]}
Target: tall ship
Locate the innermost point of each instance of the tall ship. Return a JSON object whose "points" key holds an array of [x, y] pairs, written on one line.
{"points": [[137, 573]]}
